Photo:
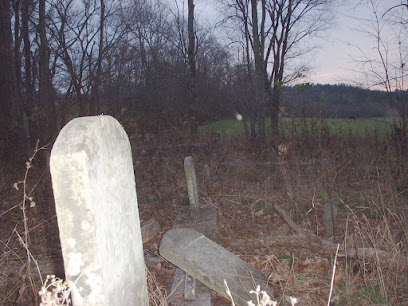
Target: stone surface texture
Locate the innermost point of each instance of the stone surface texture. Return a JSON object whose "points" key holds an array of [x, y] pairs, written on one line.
{"points": [[211, 264], [202, 294], [191, 184], [98, 218], [206, 223]]}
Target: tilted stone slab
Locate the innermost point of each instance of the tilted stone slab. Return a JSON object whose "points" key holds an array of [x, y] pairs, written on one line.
{"points": [[211, 264], [98, 218]]}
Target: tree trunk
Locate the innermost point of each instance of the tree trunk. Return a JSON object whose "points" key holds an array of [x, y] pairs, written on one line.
{"points": [[192, 67], [274, 113], [11, 129], [75, 78], [279, 54], [251, 108], [17, 45], [17, 67], [28, 85], [98, 75], [253, 128], [259, 73], [47, 122]]}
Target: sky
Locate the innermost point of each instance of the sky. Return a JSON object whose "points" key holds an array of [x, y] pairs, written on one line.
{"points": [[334, 61]]}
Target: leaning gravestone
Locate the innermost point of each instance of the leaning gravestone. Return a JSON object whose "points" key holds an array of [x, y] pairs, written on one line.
{"points": [[212, 265], [98, 217]]}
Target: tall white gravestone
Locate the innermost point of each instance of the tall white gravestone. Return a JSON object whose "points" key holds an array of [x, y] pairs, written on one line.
{"points": [[98, 218]]}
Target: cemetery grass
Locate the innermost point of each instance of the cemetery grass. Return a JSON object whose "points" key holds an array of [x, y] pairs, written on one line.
{"points": [[365, 175], [381, 127]]}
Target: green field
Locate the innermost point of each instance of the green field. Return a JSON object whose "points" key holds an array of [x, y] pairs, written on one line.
{"points": [[297, 126]]}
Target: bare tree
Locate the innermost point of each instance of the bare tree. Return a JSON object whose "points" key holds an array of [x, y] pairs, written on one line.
{"points": [[276, 29], [386, 66], [28, 93], [48, 124], [191, 52], [261, 75], [10, 111], [82, 57], [96, 104], [75, 30], [17, 67], [147, 56], [17, 47], [187, 43], [244, 85]]}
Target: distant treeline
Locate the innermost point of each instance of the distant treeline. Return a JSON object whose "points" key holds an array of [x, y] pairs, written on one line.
{"points": [[338, 101]]}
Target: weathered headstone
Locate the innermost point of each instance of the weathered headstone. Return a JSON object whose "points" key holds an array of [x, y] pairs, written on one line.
{"points": [[204, 220], [207, 177], [207, 174], [98, 217], [219, 141], [191, 184], [205, 224], [211, 264], [329, 217]]}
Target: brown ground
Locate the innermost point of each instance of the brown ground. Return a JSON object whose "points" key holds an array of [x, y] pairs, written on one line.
{"points": [[366, 178]]}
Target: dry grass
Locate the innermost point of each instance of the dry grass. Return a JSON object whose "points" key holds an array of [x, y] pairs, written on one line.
{"points": [[54, 292], [157, 293], [365, 177]]}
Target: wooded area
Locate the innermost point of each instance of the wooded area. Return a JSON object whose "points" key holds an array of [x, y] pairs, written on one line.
{"points": [[148, 59], [155, 62]]}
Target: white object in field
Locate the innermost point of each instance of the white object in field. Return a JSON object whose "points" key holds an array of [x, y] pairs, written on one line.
{"points": [[238, 116], [283, 149]]}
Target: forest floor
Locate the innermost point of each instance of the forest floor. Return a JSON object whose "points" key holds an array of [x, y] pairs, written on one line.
{"points": [[366, 178]]}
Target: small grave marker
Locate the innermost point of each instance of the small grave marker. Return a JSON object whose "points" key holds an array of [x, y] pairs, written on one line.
{"points": [[329, 217], [204, 220], [192, 184]]}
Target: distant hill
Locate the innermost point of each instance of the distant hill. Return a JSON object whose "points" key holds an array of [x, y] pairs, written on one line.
{"points": [[339, 101]]}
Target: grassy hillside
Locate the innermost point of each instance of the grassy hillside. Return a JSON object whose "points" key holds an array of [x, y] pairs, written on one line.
{"points": [[295, 126]]}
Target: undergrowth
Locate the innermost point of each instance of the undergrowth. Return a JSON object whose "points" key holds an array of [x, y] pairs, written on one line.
{"points": [[364, 176]]}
